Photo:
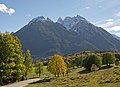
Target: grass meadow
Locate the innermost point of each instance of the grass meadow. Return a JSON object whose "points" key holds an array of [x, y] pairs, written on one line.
{"points": [[106, 77]]}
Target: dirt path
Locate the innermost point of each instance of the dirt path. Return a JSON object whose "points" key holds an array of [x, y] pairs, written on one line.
{"points": [[22, 83]]}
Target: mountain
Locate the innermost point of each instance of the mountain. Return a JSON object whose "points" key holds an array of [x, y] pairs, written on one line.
{"points": [[69, 22], [44, 37], [117, 37], [97, 36], [73, 34]]}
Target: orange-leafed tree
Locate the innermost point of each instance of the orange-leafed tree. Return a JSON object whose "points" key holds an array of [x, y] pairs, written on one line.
{"points": [[57, 65]]}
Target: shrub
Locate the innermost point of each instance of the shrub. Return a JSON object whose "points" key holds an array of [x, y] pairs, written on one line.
{"points": [[93, 59], [108, 58], [117, 62], [93, 67]]}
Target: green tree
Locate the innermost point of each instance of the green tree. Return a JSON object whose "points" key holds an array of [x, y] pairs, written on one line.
{"points": [[28, 63], [92, 59], [68, 65], [39, 68], [117, 62], [11, 59], [57, 65], [76, 61], [108, 58]]}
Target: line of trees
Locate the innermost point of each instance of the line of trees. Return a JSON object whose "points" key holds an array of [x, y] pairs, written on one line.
{"points": [[14, 66], [91, 60]]}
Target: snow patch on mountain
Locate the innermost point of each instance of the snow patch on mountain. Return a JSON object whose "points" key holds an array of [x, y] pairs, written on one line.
{"points": [[39, 19], [69, 22]]}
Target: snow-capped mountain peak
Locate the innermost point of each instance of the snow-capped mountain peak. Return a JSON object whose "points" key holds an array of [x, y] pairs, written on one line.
{"points": [[69, 22], [39, 19], [60, 21]]}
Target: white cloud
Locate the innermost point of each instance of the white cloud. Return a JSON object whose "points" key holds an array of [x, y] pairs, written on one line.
{"points": [[118, 14], [114, 28], [5, 9], [106, 24], [110, 25], [110, 20], [86, 7]]}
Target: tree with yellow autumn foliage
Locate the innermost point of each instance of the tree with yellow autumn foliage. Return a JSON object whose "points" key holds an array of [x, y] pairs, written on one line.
{"points": [[57, 65]]}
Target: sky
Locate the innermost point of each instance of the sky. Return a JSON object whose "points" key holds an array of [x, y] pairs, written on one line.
{"points": [[14, 14]]}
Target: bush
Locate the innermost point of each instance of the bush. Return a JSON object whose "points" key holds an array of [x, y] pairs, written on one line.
{"points": [[93, 67], [75, 67], [93, 59], [117, 62], [108, 58]]}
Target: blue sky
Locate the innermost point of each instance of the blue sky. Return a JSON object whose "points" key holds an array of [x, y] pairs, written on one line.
{"points": [[103, 13]]}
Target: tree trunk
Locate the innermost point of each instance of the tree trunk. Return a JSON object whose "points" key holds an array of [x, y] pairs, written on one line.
{"points": [[63, 74], [1, 81], [39, 74]]}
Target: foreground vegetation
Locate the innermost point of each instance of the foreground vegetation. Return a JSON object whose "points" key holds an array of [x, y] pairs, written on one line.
{"points": [[14, 65], [106, 77], [86, 70], [81, 69]]}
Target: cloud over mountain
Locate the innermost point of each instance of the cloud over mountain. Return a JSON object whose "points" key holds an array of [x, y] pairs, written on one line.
{"points": [[111, 25]]}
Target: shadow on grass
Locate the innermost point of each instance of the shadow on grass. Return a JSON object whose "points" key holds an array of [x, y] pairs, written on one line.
{"points": [[84, 72], [105, 67]]}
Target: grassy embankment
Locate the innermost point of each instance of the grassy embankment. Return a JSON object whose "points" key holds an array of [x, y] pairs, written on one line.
{"points": [[106, 77]]}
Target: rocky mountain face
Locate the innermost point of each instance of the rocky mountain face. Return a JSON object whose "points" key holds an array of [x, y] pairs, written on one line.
{"points": [[73, 34], [69, 22], [117, 37]]}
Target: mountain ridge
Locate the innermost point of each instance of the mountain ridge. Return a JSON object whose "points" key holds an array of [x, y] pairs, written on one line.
{"points": [[45, 37]]}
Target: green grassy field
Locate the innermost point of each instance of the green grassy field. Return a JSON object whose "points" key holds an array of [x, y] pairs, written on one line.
{"points": [[81, 78], [45, 73]]}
